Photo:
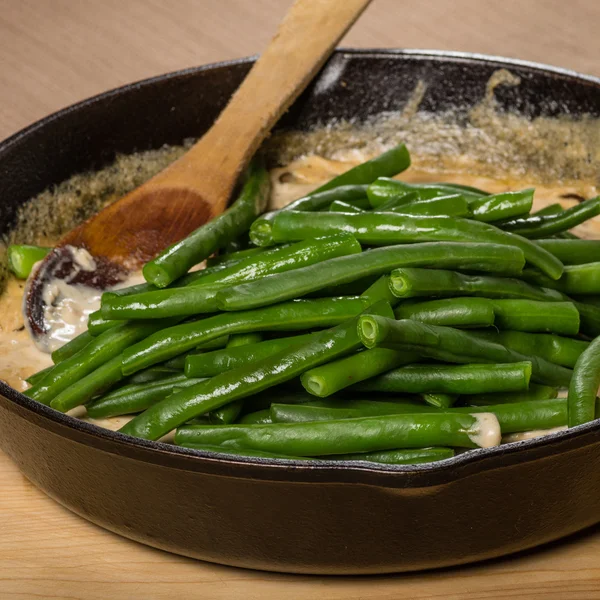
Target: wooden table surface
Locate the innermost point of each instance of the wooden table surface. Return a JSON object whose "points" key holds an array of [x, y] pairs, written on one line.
{"points": [[55, 52]]}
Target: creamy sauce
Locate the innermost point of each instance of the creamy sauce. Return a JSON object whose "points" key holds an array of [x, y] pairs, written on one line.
{"points": [[70, 305], [486, 430]]}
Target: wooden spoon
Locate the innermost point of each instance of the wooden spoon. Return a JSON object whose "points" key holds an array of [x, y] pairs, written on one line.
{"points": [[197, 187]]}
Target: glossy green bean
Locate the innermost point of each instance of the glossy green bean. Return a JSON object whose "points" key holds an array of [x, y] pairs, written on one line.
{"points": [[399, 457], [559, 350], [296, 315], [589, 316], [135, 398], [72, 347], [414, 283], [337, 375], [576, 280], [345, 269], [152, 374], [368, 434], [505, 205], [100, 350], [551, 209], [180, 257], [536, 227], [348, 185], [572, 252], [399, 200], [22, 258], [451, 379], [536, 391], [584, 385], [250, 379], [178, 363], [340, 206], [209, 364], [255, 418], [451, 312], [39, 375], [512, 418], [97, 324], [451, 345], [451, 206], [384, 188], [380, 290], [195, 299], [226, 259], [244, 339], [536, 316], [381, 229], [439, 400]]}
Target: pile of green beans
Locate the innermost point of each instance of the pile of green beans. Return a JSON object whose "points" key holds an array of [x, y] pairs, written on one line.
{"points": [[370, 320]]}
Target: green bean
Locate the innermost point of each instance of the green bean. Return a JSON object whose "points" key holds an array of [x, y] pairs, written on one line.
{"points": [[179, 258], [452, 206], [244, 339], [577, 279], [230, 412], [536, 391], [439, 400], [584, 385], [572, 252], [178, 363], [380, 290], [93, 384], [536, 316], [367, 434], [95, 354], [399, 457], [413, 283], [257, 417], [152, 374], [337, 375], [506, 205], [22, 258], [138, 288], [513, 418], [451, 379], [536, 227], [97, 324], [589, 316], [451, 312], [226, 259], [72, 347], [250, 379], [384, 188], [381, 229], [347, 186], [296, 315], [340, 206], [550, 209], [39, 375], [345, 269], [399, 200], [135, 398], [192, 300], [469, 189], [451, 345], [552, 348], [220, 361], [332, 410]]}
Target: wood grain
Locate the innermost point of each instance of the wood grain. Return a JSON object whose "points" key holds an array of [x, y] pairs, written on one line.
{"points": [[55, 52]]}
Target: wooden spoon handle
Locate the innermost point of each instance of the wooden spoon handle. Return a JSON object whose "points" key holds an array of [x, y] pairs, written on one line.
{"points": [[302, 44]]}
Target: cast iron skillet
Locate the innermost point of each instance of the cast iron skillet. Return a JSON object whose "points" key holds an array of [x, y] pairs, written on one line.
{"points": [[289, 516]]}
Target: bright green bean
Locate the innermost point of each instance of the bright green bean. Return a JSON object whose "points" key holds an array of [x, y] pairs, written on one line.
{"points": [[536, 316], [451, 312], [369, 434], [451, 379], [21, 258], [536, 227], [506, 205], [584, 385], [439, 400], [451, 345], [179, 258], [346, 269], [572, 252], [337, 375], [340, 206], [250, 379], [451, 206], [72, 347], [536, 391], [577, 279], [381, 229]]}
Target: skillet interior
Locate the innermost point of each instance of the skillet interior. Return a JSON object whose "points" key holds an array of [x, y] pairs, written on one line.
{"points": [[252, 512]]}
